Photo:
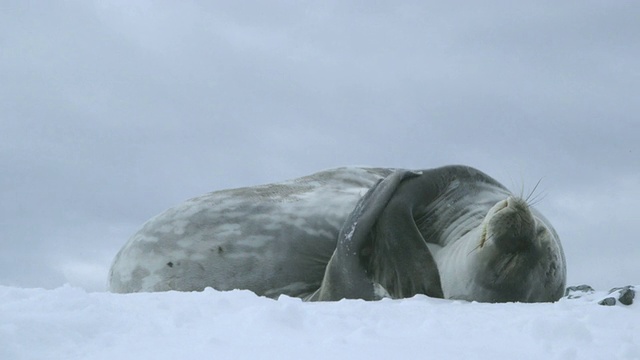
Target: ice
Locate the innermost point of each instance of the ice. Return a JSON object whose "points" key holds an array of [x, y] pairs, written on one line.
{"points": [[71, 323]]}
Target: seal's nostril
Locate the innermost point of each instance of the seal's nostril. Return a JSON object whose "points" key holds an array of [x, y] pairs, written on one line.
{"points": [[502, 205]]}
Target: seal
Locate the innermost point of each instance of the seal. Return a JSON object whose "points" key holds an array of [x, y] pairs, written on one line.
{"points": [[361, 233]]}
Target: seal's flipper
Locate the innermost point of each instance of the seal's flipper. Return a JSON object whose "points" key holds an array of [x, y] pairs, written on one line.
{"points": [[400, 260], [368, 233]]}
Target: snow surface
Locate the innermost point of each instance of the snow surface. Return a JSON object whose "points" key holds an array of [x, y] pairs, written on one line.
{"points": [[71, 323]]}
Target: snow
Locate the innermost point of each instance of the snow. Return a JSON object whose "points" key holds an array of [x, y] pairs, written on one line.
{"points": [[71, 323]]}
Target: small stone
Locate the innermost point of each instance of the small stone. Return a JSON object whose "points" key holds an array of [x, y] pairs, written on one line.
{"points": [[619, 288], [584, 287], [626, 294], [574, 292], [608, 301]]}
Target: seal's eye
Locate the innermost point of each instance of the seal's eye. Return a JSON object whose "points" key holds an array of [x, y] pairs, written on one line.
{"points": [[541, 230]]}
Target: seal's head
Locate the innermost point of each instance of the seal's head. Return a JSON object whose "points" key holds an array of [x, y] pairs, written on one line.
{"points": [[519, 254]]}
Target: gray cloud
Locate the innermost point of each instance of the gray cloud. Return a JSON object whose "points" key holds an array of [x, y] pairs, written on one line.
{"points": [[111, 112]]}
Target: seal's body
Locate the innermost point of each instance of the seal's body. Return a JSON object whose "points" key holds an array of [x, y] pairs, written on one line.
{"points": [[366, 233], [271, 239]]}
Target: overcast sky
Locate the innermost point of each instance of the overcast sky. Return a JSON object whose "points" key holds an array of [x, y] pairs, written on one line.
{"points": [[113, 111]]}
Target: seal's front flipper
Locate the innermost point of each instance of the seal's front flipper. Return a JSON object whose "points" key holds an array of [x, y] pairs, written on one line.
{"points": [[358, 270], [345, 275], [400, 261]]}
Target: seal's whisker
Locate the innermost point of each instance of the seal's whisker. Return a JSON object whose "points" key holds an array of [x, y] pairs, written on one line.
{"points": [[532, 191], [537, 199]]}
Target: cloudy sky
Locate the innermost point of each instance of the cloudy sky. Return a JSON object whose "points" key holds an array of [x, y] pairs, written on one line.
{"points": [[113, 111]]}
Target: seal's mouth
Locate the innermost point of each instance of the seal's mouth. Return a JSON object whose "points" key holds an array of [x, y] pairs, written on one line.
{"points": [[495, 209], [483, 236]]}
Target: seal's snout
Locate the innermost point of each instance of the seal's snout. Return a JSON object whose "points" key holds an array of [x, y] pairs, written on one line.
{"points": [[511, 225]]}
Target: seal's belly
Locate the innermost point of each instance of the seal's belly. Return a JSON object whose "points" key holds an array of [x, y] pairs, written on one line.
{"points": [[272, 239]]}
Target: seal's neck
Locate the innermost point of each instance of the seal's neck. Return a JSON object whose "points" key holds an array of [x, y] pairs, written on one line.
{"points": [[460, 208]]}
